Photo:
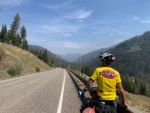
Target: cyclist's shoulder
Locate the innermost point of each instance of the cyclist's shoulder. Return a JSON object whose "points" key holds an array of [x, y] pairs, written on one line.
{"points": [[106, 68], [99, 68], [114, 70]]}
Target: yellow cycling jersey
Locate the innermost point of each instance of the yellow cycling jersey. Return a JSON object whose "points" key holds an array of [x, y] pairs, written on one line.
{"points": [[107, 79]]}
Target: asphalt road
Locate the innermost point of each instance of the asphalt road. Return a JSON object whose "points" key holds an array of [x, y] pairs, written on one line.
{"points": [[47, 92]]}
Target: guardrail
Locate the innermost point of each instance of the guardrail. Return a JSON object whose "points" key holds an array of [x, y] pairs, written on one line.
{"points": [[120, 108], [79, 77]]}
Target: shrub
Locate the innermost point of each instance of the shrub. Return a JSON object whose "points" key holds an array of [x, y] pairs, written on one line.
{"points": [[15, 71], [1, 54], [11, 71], [37, 69], [18, 69]]}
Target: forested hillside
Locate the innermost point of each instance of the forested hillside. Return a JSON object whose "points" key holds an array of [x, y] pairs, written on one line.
{"points": [[56, 60], [132, 61], [133, 56]]}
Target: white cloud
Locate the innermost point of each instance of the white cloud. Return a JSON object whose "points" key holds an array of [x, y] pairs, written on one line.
{"points": [[108, 30], [59, 28], [81, 14], [65, 5], [11, 2], [142, 21], [116, 31], [135, 18], [145, 21]]}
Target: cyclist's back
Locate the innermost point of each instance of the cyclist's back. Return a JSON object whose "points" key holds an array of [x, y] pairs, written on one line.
{"points": [[107, 79]]}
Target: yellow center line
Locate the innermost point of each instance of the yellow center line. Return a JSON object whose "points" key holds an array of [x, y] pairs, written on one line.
{"points": [[33, 81]]}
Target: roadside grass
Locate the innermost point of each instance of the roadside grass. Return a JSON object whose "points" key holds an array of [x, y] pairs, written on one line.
{"points": [[13, 56], [139, 101]]}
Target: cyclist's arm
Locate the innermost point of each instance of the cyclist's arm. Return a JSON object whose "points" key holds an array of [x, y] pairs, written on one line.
{"points": [[89, 85], [121, 93]]}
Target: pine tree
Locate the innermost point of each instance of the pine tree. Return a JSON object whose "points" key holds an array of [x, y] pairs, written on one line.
{"points": [[14, 30], [87, 70], [25, 45], [12, 38], [18, 40], [9, 37], [137, 84], [50, 61], [40, 55], [45, 56], [3, 34], [36, 52], [15, 24], [23, 35], [143, 89], [128, 84]]}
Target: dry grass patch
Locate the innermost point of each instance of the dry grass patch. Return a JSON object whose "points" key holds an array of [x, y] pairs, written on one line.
{"points": [[13, 56], [139, 101]]}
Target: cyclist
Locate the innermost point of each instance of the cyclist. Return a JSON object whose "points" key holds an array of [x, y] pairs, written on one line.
{"points": [[107, 80]]}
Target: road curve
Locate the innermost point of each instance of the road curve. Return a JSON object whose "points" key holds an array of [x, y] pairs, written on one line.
{"points": [[40, 93]]}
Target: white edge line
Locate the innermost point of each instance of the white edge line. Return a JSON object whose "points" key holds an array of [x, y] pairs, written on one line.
{"points": [[21, 77], [61, 96]]}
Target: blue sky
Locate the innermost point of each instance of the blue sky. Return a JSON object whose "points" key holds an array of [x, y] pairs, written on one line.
{"points": [[78, 26]]}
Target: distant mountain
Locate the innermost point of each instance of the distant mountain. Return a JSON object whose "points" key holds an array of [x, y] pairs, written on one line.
{"points": [[70, 57], [86, 59], [58, 61]]}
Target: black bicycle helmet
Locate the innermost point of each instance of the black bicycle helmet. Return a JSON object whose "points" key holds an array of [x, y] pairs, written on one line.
{"points": [[107, 57]]}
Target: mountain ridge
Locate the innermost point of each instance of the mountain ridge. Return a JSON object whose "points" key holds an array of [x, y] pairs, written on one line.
{"points": [[70, 57], [86, 58], [58, 61]]}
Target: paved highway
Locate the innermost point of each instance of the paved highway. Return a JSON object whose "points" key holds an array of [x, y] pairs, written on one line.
{"points": [[47, 92]]}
